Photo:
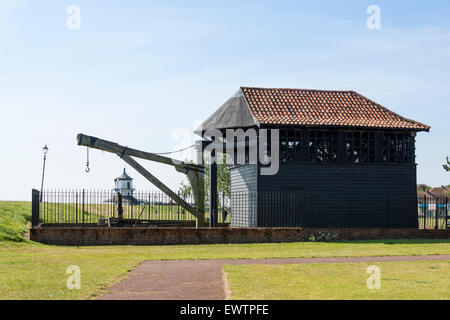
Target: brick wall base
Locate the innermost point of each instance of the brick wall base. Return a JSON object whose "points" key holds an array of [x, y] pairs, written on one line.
{"points": [[92, 235]]}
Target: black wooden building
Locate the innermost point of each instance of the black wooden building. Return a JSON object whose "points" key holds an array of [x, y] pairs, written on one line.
{"points": [[344, 160]]}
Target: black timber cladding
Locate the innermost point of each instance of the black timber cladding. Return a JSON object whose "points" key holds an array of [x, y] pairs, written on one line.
{"points": [[314, 188], [340, 195]]}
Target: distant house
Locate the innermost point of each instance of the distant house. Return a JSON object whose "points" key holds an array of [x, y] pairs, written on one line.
{"points": [[423, 187], [433, 202], [333, 145], [425, 195], [124, 184], [424, 191], [440, 192]]}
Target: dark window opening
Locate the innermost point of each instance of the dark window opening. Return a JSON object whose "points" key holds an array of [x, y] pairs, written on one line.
{"points": [[358, 147]]}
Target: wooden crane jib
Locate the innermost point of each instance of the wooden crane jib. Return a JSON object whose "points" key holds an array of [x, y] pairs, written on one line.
{"points": [[195, 173]]}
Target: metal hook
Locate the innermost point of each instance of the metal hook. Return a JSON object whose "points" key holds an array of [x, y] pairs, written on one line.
{"points": [[87, 162]]}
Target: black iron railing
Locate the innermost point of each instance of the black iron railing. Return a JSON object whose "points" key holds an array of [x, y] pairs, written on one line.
{"points": [[337, 210], [95, 206], [434, 212], [245, 209]]}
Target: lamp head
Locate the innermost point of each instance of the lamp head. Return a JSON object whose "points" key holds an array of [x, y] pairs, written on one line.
{"points": [[45, 150]]}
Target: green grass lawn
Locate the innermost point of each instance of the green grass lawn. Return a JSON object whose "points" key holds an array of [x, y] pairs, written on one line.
{"points": [[34, 271], [399, 280], [52, 212], [70, 212], [13, 220]]}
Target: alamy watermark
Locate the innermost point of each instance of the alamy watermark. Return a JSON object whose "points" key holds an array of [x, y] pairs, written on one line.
{"points": [[374, 20], [240, 147], [374, 280], [74, 19], [74, 280], [245, 147]]}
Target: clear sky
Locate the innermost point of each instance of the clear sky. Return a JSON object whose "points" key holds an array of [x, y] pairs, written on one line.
{"points": [[142, 73]]}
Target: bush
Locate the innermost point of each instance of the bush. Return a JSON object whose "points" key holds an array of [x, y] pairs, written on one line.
{"points": [[322, 237]]}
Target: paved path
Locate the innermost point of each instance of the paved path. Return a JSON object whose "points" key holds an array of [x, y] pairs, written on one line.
{"points": [[204, 280]]}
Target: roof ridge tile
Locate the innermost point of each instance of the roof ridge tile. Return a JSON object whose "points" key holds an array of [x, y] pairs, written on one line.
{"points": [[315, 106]]}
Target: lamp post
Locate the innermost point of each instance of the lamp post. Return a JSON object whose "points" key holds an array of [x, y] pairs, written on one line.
{"points": [[45, 151]]}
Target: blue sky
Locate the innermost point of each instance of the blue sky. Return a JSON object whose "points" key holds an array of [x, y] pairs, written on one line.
{"points": [[143, 72]]}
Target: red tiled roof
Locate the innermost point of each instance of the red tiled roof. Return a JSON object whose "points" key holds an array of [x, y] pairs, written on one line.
{"points": [[320, 107]]}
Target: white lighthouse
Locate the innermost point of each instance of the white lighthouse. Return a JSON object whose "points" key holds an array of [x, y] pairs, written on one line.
{"points": [[124, 184]]}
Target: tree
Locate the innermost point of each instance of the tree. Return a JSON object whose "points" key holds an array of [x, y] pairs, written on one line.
{"points": [[223, 180], [447, 165], [185, 190]]}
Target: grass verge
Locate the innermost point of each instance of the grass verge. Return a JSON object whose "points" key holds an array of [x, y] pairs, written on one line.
{"points": [[35, 271], [399, 280], [13, 220]]}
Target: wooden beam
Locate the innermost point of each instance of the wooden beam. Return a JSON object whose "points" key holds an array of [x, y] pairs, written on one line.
{"points": [[109, 146], [213, 197], [160, 185], [193, 171]]}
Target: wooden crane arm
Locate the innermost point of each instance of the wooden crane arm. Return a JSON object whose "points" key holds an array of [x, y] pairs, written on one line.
{"points": [[194, 172], [109, 146]]}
